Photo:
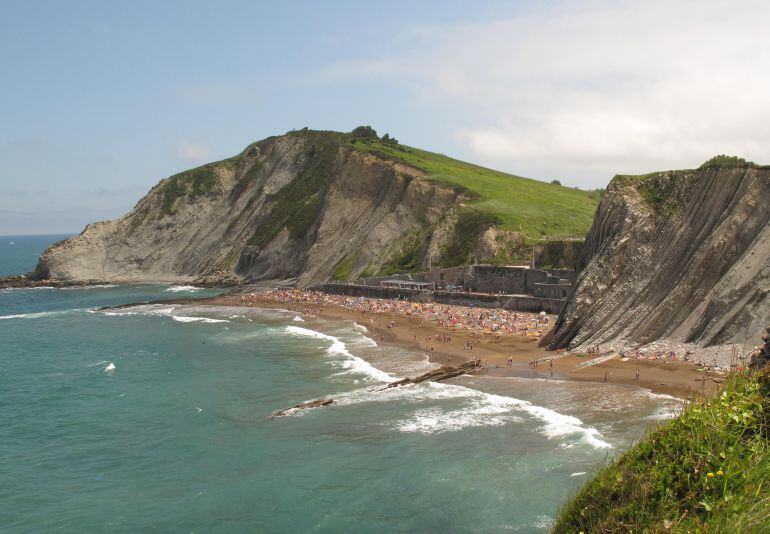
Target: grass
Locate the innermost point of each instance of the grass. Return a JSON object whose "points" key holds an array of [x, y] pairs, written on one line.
{"points": [[471, 225], [296, 205], [708, 470], [727, 162], [248, 178], [190, 184], [345, 268], [405, 253], [663, 192], [538, 209]]}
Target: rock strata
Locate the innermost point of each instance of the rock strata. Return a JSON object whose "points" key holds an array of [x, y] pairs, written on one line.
{"points": [[297, 209], [679, 257]]}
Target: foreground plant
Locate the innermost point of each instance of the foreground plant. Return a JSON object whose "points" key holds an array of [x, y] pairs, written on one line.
{"points": [[708, 470]]}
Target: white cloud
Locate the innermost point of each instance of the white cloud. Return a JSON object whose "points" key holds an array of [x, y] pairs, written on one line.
{"points": [[585, 90], [192, 152]]}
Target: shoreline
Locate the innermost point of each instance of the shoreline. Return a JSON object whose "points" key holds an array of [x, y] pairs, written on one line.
{"points": [[678, 379]]}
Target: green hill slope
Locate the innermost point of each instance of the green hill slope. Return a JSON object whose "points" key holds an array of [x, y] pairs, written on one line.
{"points": [[538, 209], [706, 471]]}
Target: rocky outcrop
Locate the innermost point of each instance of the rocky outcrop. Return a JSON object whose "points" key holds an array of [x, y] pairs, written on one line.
{"points": [[760, 357], [681, 256], [445, 372], [293, 209]]}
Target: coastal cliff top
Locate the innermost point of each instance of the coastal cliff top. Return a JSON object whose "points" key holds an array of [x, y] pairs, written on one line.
{"points": [[535, 208]]}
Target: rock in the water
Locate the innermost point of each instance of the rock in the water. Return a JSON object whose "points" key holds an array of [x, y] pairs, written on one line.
{"points": [[304, 405]]}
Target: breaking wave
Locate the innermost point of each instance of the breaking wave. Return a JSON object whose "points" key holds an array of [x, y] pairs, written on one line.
{"points": [[179, 289], [183, 319], [36, 315], [476, 408], [352, 364]]}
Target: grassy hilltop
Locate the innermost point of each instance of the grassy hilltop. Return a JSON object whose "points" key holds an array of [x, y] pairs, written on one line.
{"points": [[522, 210], [538, 209]]}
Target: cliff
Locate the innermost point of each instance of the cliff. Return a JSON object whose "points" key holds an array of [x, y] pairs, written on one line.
{"points": [[678, 256], [304, 208]]}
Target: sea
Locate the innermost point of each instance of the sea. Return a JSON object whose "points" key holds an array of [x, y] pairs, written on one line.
{"points": [[160, 417]]}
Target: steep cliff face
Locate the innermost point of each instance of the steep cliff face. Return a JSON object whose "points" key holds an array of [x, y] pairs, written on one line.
{"points": [[292, 208], [680, 255]]}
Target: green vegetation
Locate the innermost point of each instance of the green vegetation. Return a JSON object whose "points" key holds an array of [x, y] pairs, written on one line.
{"points": [[246, 180], [471, 225], [706, 471], [405, 254], [364, 132], [295, 206], [727, 162], [537, 209], [190, 184], [345, 268], [664, 192]]}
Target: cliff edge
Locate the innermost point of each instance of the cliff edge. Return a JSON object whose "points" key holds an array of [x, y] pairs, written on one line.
{"points": [[310, 206], [677, 256]]}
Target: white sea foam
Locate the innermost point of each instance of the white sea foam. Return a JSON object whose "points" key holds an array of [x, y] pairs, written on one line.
{"points": [[352, 364], [543, 522], [25, 288], [119, 314], [578, 474], [478, 409], [559, 425], [183, 319], [298, 319], [110, 368], [95, 286], [36, 315], [178, 289]]}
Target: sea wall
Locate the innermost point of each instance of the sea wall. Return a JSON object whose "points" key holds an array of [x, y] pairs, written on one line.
{"points": [[523, 303]]}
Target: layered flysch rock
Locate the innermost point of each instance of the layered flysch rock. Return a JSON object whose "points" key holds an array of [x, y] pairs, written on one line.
{"points": [[680, 256], [291, 208]]}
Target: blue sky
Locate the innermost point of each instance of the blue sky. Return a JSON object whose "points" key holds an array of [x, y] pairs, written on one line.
{"points": [[100, 100]]}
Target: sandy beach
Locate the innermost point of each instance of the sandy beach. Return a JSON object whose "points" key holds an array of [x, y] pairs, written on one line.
{"points": [[509, 348]]}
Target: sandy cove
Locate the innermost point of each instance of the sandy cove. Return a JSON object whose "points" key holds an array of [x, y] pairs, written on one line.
{"points": [[675, 378]]}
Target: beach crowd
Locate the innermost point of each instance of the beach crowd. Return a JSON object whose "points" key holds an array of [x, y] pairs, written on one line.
{"points": [[477, 320]]}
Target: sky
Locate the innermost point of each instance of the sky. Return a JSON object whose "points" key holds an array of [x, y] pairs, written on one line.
{"points": [[101, 100]]}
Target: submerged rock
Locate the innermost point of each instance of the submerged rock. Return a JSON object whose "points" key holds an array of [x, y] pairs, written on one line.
{"points": [[442, 373]]}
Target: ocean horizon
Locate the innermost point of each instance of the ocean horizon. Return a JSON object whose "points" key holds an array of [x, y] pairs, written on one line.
{"points": [[159, 416]]}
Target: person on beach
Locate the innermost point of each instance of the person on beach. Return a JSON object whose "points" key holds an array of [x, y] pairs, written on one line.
{"points": [[637, 374]]}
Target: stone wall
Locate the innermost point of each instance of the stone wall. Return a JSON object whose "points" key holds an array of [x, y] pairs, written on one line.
{"points": [[524, 303], [558, 254], [553, 290], [356, 290], [493, 279]]}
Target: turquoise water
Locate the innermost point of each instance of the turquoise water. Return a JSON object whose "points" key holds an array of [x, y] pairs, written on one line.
{"points": [[158, 417], [19, 254]]}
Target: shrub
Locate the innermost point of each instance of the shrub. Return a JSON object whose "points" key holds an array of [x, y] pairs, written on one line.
{"points": [[364, 132], [727, 162]]}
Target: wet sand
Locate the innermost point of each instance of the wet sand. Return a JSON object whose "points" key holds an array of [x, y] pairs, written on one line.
{"points": [[679, 379]]}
